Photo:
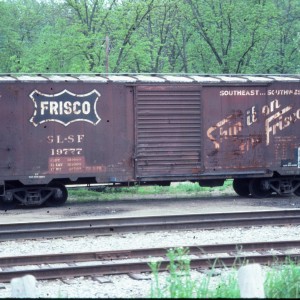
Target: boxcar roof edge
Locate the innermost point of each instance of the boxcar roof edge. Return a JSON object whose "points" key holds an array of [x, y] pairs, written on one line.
{"points": [[151, 78]]}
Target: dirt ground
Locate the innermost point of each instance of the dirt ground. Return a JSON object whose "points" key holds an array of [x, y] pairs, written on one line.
{"points": [[149, 205]]}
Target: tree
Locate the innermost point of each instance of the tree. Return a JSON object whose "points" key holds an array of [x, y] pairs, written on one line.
{"points": [[230, 31], [128, 17], [281, 54], [190, 36], [92, 18], [21, 21]]}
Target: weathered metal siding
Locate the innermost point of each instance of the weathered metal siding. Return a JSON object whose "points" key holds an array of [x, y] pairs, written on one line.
{"points": [[282, 127], [151, 127], [168, 131], [251, 129], [36, 150], [12, 142]]}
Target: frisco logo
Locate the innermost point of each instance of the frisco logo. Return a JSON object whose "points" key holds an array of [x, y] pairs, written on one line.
{"points": [[64, 107]]}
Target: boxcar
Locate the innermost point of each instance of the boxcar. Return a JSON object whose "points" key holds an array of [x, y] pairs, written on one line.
{"points": [[147, 129]]}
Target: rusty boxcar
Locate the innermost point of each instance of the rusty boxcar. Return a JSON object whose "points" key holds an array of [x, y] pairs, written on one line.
{"points": [[147, 129]]}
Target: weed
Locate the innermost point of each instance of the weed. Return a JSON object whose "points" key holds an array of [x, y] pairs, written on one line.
{"points": [[182, 189], [282, 281]]}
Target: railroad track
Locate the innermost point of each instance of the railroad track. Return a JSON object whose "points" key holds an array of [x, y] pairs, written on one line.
{"points": [[107, 262], [108, 226]]}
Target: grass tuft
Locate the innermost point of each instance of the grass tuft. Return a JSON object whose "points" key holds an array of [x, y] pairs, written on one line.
{"points": [[182, 189], [281, 281]]}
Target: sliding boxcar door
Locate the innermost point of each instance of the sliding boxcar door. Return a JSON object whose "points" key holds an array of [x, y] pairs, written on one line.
{"points": [[168, 131]]}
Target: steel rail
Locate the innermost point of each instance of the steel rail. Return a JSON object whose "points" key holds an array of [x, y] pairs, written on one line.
{"points": [[136, 224], [139, 267], [144, 252]]}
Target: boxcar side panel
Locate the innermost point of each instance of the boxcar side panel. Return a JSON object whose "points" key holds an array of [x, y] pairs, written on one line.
{"points": [[282, 127], [251, 129], [66, 130]]}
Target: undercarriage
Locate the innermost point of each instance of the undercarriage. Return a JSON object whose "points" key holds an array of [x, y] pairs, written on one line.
{"points": [[264, 187], [54, 194]]}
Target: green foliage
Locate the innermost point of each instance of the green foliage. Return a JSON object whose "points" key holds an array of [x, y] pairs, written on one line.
{"points": [[191, 36], [179, 283], [281, 281], [183, 189], [230, 33], [227, 287]]}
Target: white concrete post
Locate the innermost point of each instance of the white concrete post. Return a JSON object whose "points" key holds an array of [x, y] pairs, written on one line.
{"points": [[23, 287], [251, 281]]}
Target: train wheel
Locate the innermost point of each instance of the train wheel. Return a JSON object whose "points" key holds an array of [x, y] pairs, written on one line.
{"points": [[60, 195], [258, 189], [4, 204], [241, 187]]}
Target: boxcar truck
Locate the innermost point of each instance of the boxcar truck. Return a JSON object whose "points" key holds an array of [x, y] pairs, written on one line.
{"points": [[147, 129]]}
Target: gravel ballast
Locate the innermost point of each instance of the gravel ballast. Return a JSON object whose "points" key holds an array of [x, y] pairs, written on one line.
{"points": [[126, 286], [130, 286]]}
